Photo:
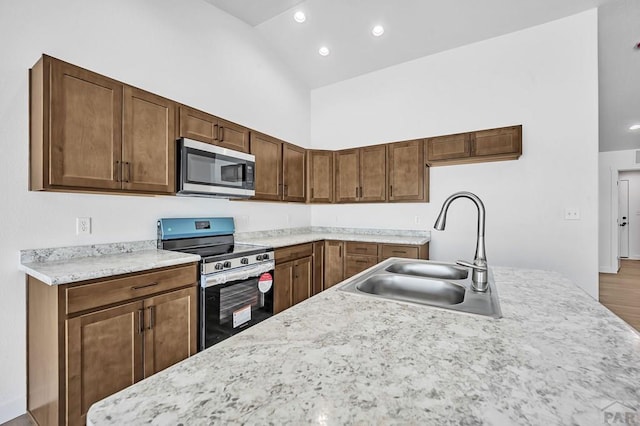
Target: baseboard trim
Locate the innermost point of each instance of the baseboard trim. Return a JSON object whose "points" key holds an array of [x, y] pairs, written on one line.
{"points": [[607, 270]]}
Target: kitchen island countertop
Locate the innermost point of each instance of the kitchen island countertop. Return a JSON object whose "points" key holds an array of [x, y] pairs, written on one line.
{"points": [[556, 357]]}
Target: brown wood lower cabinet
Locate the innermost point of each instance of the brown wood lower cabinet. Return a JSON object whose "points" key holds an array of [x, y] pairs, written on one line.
{"points": [[333, 263], [76, 358], [293, 276], [318, 267], [360, 256]]}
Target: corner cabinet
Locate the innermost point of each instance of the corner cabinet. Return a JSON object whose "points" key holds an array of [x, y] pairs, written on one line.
{"points": [[89, 132], [88, 340], [280, 169], [499, 144], [407, 172], [320, 176]]}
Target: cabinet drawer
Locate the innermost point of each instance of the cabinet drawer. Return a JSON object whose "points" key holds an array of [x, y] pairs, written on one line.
{"points": [[90, 296], [363, 249], [355, 264], [286, 254], [389, 250]]}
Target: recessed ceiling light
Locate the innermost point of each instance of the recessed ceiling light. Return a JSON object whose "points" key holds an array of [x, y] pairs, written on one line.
{"points": [[299, 16], [323, 51], [635, 127], [377, 31]]}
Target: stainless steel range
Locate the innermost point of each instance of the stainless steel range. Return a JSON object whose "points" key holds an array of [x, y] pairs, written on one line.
{"points": [[236, 280]]}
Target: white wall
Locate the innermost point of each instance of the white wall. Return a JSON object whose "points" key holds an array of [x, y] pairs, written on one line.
{"points": [[633, 221], [609, 165], [185, 50], [545, 78]]}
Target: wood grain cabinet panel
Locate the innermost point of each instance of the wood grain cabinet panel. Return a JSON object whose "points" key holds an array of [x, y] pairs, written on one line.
{"points": [[82, 351], [203, 127], [402, 250], [318, 267], [408, 174], [475, 147], [268, 172], [347, 163], [280, 173], [355, 264], [83, 115], [149, 142], [294, 166], [333, 262], [373, 173], [104, 351], [320, 176], [293, 279], [502, 141], [89, 132]]}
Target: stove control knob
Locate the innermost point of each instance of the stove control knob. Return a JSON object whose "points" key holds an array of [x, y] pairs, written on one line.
{"points": [[244, 261], [227, 264], [259, 257], [265, 256], [218, 266]]}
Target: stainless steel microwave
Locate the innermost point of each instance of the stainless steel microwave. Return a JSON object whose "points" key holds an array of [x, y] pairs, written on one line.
{"points": [[212, 171]]}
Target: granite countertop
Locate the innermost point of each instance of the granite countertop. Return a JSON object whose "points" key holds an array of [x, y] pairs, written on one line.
{"points": [[556, 357], [279, 238], [72, 264]]}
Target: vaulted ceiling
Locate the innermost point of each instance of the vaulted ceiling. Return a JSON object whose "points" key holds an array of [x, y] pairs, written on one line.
{"points": [[417, 28]]}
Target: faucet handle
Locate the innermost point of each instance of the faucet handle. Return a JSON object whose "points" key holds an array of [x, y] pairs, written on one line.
{"points": [[471, 265]]}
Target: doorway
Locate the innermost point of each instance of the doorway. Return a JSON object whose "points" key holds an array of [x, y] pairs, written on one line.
{"points": [[629, 215]]}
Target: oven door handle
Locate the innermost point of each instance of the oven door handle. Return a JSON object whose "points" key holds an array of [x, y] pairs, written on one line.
{"points": [[238, 274]]}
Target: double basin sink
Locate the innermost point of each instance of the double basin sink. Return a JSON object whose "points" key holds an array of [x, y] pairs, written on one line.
{"points": [[439, 284]]}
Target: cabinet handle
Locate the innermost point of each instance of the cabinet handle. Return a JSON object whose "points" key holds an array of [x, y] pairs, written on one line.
{"points": [[128, 171], [280, 189], [360, 192], [118, 171], [140, 321], [356, 192], [215, 132], [361, 261], [311, 192], [340, 251], [221, 135], [152, 317], [390, 190], [399, 251], [138, 287]]}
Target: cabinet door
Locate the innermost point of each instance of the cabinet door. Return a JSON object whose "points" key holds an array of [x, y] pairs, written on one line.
{"points": [[170, 329], [302, 278], [406, 171], [283, 287], [268, 173], [333, 263], [232, 136], [507, 140], [293, 172], [318, 267], [198, 125], [320, 184], [448, 147], [149, 142], [373, 173], [355, 264], [85, 128], [347, 163], [104, 356]]}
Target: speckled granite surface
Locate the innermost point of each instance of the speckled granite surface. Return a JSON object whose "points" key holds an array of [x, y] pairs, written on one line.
{"points": [[286, 237], [557, 357], [55, 269]]}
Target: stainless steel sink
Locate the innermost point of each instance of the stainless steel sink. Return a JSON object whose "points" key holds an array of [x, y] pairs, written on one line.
{"points": [[412, 289], [432, 270], [427, 283]]}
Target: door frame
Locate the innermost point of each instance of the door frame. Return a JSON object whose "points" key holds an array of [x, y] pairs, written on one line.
{"points": [[621, 195]]}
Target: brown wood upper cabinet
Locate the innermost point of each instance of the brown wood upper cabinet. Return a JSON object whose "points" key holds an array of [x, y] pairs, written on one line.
{"points": [[481, 146], [320, 176], [361, 174], [208, 128], [280, 169], [407, 171], [89, 132]]}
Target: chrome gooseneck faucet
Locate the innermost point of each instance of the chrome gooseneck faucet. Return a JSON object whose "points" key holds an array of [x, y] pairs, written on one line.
{"points": [[480, 273]]}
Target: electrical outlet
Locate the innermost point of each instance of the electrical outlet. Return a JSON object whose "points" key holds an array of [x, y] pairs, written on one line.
{"points": [[571, 214], [83, 226]]}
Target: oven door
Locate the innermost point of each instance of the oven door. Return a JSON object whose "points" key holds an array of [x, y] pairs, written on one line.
{"points": [[229, 308], [210, 169]]}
